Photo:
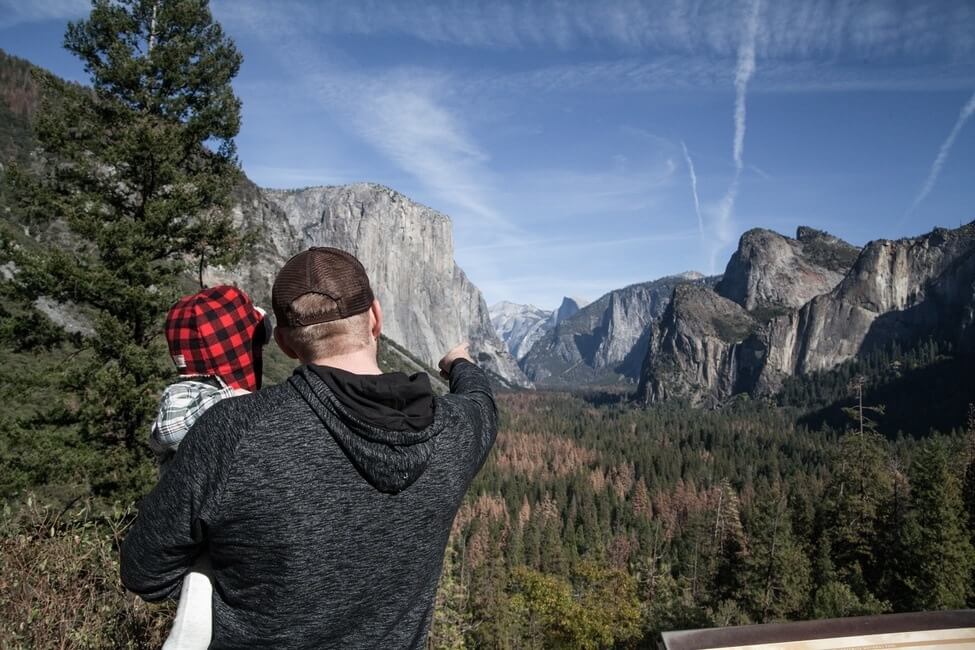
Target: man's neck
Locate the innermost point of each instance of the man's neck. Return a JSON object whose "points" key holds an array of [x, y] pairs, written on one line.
{"points": [[360, 362]]}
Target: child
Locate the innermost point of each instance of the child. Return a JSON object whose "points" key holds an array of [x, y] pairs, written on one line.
{"points": [[216, 338]]}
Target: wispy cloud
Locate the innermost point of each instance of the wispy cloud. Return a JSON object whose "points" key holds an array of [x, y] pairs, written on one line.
{"points": [[565, 193], [867, 28], [693, 175], [562, 246], [404, 114], [18, 12], [631, 75], [414, 130], [963, 116]]}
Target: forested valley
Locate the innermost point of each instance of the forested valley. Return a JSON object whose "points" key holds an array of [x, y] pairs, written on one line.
{"points": [[597, 524]]}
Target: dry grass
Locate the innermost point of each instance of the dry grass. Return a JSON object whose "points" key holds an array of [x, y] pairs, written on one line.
{"points": [[60, 587]]}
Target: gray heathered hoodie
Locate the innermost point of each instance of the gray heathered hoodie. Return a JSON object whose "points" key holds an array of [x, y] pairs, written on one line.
{"points": [[324, 531]]}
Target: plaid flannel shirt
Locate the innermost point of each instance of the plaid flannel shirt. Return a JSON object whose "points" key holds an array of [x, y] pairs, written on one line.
{"points": [[181, 405]]}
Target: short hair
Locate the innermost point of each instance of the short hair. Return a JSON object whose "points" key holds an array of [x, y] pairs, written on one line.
{"points": [[337, 337]]}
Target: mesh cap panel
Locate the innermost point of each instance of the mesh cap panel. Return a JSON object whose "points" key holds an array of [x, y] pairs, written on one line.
{"points": [[329, 272]]}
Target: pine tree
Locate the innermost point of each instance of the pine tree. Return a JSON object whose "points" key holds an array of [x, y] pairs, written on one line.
{"points": [[968, 490], [775, 572], [940, 556], [968, 486], [137, 179], [451, 619], [858, 488]]}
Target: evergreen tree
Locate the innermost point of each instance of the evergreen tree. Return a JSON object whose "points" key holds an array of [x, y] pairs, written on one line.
{"points": [[940, 556], [451, 618], [968, 490], [852, 507], [968, 487], [775, 571], [137, 180]]}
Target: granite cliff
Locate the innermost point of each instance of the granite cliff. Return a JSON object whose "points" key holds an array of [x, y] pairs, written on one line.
{"points": [[407, 249], [898, 291], [770, 273], [795, 306]]}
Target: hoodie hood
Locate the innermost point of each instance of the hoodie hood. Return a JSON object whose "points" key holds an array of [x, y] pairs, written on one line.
{"points": [[360, 411]]}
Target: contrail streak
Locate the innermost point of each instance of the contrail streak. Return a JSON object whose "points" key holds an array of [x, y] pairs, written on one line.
{"points": [[743, 74], [697, 203], [966, 112], [746, 68]]}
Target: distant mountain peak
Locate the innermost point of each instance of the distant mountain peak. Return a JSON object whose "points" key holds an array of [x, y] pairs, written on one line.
{"points": [[519, 326]]}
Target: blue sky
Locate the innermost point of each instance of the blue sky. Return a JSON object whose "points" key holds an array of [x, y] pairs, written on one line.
{"points": [[582, 146]]}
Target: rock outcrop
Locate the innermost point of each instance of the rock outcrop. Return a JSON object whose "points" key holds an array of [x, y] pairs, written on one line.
{"points": [[696, 349], [604, 342], [898, 291], [519, 326], [770, 273], [428, 302], [569, 308]]}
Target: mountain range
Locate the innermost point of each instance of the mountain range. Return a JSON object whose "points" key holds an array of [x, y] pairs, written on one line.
{"points": [[785, 307], [604, 343]]}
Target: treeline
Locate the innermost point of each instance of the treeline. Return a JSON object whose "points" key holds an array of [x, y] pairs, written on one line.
{"points": [[600, 527]]}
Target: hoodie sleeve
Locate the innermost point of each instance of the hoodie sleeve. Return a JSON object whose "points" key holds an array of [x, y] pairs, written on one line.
{"points": [[169, 532], [469, 382]]}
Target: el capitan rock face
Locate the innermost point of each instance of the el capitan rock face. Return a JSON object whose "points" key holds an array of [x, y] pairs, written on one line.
{"points": [[892, 291], [428, 302]]}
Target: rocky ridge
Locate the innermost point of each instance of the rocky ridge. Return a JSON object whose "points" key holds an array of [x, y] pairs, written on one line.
{"points": [[765, 321], [770, 273], [897, 291]]}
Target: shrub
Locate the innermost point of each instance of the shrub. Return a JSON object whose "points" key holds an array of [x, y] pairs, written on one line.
{"points": [[60, 585]]}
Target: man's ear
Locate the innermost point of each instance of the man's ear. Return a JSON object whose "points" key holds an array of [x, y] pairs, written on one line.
{"points": [[283, 344], [376, 319]]}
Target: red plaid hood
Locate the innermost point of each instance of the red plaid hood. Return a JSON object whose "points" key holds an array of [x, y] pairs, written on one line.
{"points": [[218, 332]]}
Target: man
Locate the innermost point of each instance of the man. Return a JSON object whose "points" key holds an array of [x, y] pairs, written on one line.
{"points": [[325, 502]]}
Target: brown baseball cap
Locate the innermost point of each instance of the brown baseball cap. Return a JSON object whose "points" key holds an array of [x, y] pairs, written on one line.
{"points": [[325, 271]]}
